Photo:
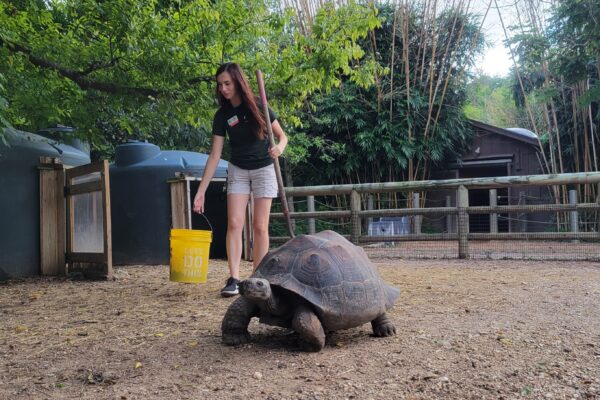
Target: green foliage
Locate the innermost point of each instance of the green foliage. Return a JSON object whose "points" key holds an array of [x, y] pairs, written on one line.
{"points": [[371, 133], [489, 99], [3, 107], [575, 37], [530, 49], [144, 69], [559, 70]]}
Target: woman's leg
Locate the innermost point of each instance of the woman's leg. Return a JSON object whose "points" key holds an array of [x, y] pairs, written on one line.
{"points": [[236, 212], [260, 229]]}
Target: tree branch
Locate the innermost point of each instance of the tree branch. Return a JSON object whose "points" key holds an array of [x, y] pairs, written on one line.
{"points": [[80, 77]]}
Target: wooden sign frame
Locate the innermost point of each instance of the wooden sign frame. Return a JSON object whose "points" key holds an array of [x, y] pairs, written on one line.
{"points": [[91, 265]]}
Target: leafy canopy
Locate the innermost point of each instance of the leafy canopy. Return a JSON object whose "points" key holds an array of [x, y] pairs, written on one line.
{"points": [[140, 69]]}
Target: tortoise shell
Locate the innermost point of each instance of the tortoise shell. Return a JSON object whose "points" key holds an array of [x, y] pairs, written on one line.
{"points": [[333, 275]]}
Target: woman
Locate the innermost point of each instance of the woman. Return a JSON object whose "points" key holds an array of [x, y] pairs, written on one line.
{"points": [[250, 169]]}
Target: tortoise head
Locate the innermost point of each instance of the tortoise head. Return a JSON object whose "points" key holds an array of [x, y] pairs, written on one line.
{"points": [[256, 289]]}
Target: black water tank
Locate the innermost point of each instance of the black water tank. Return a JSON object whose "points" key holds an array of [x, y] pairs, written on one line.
{"points": [[66, 135], [20, 198], [141, 202]]}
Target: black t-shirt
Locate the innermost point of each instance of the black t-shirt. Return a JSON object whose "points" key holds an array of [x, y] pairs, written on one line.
{"points": [[247, 151]]}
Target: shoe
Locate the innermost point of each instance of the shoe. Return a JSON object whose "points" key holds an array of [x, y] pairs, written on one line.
{"points": [[231, 288]]}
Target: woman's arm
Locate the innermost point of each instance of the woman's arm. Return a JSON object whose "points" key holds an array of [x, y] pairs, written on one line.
{"points": [[209, 171], [282, 140]]}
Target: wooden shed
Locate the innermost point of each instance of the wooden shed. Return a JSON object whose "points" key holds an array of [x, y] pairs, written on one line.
{"points": [[497, 152]]}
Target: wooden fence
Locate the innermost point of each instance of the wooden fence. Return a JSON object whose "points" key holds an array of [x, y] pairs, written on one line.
{"points": [[460, 212]]}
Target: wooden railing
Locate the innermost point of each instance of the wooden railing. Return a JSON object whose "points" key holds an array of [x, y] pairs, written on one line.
{"points": [[461, 211]]}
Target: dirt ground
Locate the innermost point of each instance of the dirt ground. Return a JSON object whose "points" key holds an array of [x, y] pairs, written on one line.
{"points": [[477, 329]]}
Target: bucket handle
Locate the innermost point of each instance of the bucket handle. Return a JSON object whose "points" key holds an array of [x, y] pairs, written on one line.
{"points": [[207, 221]]}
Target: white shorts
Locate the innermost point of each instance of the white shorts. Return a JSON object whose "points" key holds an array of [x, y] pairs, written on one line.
{"points": [[262, 182]]}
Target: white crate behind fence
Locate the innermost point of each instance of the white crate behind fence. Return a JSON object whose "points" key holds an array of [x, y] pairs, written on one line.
{"points": [[390, 227]]}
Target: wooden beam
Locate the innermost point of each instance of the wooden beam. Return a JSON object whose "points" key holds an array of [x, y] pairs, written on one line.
{"points": [[462, 203], [355, 217], [52, 217], [315, 214], [535, 236], [95, 258], [469, 183], [180, 204], [532, 208], [398, 212], [86, 169], [86, 187], [106, 220]]}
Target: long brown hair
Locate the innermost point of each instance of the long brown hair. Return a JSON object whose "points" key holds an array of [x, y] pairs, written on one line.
{"points": [[245, 91]]}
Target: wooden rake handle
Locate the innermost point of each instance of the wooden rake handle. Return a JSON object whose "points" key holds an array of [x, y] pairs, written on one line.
{"points": [[265, 105]]}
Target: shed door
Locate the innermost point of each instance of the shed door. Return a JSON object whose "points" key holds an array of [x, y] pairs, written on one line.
{"points": [[88, 245], [481, 197]]}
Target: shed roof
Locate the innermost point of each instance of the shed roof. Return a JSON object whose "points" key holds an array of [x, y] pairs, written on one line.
{"points": [[519, 134]]}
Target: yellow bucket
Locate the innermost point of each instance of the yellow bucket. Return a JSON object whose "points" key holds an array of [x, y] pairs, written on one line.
{"points": [[189, 255]]}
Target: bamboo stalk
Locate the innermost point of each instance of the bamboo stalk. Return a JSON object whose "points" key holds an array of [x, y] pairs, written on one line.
{"points": [[595, 156], [441, 102], [427, 26], [392, 63], [556, 130], [405, 29], [575, 114], [519, 78], [418, 67], [439, 79]]}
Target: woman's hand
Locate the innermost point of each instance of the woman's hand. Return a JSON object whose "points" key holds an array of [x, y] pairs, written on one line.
{"points": [[209, 171], [199, 202], [282, 140], [275, 151]]}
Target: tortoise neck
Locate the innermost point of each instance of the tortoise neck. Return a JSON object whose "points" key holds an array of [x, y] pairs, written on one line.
{"points": [[275, 305]]}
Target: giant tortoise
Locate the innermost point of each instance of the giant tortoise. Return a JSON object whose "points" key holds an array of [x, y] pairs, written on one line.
{"points": [[312, 284]]}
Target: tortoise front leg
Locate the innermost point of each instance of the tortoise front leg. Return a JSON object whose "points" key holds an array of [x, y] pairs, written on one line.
{"points": [[308, 326], [382, 326], [234, 328]]}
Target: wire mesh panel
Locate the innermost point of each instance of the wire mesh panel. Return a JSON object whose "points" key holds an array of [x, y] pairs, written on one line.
{"points": [[332, 215], [439, 249], [88, 225]]}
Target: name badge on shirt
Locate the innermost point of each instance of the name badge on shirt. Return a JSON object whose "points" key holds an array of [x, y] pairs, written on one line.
{"points": [[233, 121]]}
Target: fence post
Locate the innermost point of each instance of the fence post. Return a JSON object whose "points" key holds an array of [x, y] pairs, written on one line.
{"points": [[524, 217], [370, 208], [598, 212], [354, 217], [462, 202], [573, 214], [449, 218], [493, 216], [310, 201], [417, 218], [52, 216]]}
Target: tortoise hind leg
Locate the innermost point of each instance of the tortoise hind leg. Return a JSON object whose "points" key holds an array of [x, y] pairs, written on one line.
{"points": [[308, 326], [234, 328], [382, 326]]}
